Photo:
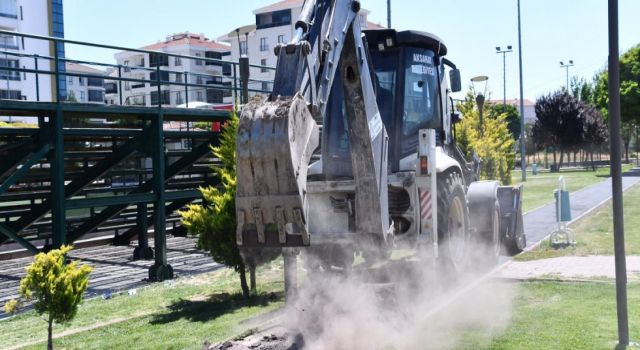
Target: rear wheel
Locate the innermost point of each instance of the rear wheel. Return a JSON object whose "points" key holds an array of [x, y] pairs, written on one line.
{"points": [[453, 222]]}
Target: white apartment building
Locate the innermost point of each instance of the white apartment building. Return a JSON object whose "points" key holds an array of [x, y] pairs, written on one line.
{"points": [[41, 17], [85, 89], [173, 70], [529, 108], [274, 24]]}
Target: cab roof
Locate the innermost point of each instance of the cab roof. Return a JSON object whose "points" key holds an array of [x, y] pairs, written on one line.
{"points": [[408, 38]]}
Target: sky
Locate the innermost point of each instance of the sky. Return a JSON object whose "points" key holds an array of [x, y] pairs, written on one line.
{"points": [[552, 31]]}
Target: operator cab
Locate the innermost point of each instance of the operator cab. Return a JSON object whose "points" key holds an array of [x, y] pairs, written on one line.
{"points": [[408, 75]]}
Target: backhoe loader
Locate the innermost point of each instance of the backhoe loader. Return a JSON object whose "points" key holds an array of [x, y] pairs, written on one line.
{"points": [[383, 170]]}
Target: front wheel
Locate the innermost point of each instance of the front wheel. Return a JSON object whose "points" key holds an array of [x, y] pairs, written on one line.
{"points": [[453, 222]]}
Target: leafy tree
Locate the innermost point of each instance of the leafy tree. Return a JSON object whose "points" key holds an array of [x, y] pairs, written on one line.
{"points": [[56, 286], [215, 221], [595, 130], [496, 145], [582, 90], [513, 116], [629, 94], [559, 123]]}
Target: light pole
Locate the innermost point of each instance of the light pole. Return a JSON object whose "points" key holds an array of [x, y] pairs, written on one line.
{"points": [[504, 74], [616, 178], [389, 14], [480, 98], [566, 66], [523, 163]]}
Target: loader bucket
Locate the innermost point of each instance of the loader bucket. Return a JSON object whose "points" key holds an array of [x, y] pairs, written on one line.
{"points": [[274, 145], [513, 235]]}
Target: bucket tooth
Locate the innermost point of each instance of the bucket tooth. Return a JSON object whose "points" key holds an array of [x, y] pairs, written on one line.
{"points": [[274, 146]]}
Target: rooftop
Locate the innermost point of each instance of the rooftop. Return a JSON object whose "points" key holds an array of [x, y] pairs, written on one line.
{"points": [[280, 5], [514, 102], [81, 68], [191, 39]]}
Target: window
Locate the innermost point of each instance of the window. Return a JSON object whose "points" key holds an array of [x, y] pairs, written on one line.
{"points": [[165, 97], [214, 55], [199, 96], [7, 74], [263, 63], [126, 64], [70, 80], [95, 82], [198, 79], [280, 39], [8, 8], [198, 62], [11, 94], [81, 96], [265, 86], [243, 48], [164, 77], [363, 21], [177, 61], [96, 96], [21, 14], [420, 84], [179, 98], [178, 77], [127, 86], [273, 19], [156, 60], [263, 44], [9, 42]]}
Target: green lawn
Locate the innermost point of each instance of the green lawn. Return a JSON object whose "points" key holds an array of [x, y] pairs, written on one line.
{"points": [[561, 315], [174, 315], [538, 189], [594, 233]]}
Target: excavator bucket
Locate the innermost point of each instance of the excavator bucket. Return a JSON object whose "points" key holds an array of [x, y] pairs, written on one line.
{"points": [[274, 146], [513, 235]]}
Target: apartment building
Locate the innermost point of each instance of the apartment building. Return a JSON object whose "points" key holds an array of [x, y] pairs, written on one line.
{"points": [[529, 108], [85, 89], [137, 65], [274, 24], [42, 17]]}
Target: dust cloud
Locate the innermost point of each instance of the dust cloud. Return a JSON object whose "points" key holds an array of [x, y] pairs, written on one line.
{"points": [[402, 304]]}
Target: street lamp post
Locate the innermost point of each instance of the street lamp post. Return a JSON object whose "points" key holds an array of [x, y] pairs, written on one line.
{"points": [[523, 163], [566, 66], [480, 98], [504, 74]]}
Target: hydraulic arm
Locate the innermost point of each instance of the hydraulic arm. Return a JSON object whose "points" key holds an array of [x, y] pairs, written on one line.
{"points": [[277, 136]]}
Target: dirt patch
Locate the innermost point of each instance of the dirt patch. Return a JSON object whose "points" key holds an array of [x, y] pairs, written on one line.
{"points": [[277, 338]]}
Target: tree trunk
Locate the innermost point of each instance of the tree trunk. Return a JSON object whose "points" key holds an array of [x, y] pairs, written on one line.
{"points": [[561, 159], [252, 277], [626, 149], [50, 335], [243, 280], [554, 157]]}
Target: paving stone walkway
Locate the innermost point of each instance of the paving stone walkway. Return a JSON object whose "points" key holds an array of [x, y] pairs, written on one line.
{"points": [[540, 222], [570, 267]]}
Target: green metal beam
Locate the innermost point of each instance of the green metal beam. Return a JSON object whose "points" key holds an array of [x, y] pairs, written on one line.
{"points": [[93, 202], [57, 204], [76, 185], [23, 242], [24, 168], [13, 159], [160, 270], [172, 170]]}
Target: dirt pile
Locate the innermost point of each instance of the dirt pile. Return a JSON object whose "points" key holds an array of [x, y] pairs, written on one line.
{"points": [[277, 338]]}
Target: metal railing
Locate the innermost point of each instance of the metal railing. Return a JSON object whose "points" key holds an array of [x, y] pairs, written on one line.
{"points": [[129, 77]]}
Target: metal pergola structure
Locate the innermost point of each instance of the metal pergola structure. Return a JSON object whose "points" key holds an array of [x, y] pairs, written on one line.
{"points": [[74, 180]]}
